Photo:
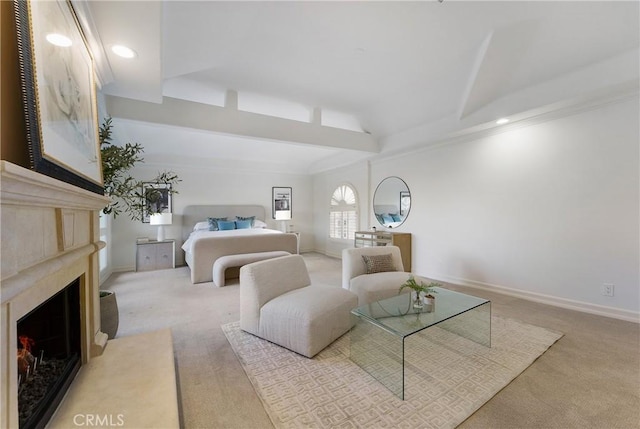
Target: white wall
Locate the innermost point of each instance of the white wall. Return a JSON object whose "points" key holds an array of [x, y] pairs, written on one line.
{"points": [[214, 186], [548, 211]]}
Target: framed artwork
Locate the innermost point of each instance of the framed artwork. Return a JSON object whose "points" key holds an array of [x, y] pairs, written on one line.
{"points": [[281, 203], [405, 202], [156, 198], [59, 94]]}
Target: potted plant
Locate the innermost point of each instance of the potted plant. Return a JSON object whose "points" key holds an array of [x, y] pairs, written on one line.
{"points": [[126, 196], [420, 288], [127, 192]]}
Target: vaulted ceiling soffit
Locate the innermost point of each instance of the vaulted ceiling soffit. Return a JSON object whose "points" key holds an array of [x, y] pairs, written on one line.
{"points": [[230, 120]]}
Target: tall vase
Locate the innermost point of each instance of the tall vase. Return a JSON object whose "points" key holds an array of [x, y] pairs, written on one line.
{"points": [[109, 319]]}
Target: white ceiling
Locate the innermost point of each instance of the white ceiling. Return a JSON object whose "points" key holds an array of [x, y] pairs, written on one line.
{"points": [[407, 72]]}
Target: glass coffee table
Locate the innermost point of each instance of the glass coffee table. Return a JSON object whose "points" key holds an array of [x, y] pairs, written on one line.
{"points": [[382, 329]]}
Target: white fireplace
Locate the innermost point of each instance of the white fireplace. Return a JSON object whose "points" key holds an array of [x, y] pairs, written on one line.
{"points": [[50, 237]]}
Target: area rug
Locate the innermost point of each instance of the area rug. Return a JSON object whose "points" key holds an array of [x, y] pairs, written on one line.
{"points": [[450, 378]]}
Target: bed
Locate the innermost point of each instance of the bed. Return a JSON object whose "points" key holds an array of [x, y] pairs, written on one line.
{"points": [[203, 247]]}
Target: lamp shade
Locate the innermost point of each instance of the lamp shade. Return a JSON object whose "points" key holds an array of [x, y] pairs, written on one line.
{"points": [[283, 215], [161, 219]]}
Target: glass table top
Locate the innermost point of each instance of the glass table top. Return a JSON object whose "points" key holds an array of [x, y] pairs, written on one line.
{"points": [[397, 315]]}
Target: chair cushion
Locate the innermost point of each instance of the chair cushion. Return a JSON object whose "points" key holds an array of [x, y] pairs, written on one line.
{"points": [[374, 287], [308, 319]]}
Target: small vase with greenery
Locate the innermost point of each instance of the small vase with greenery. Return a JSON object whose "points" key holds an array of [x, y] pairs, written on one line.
{"points": [[126, 192], [419, 288]]}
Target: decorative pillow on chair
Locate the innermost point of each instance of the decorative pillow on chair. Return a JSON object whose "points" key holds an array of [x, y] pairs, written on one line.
{"points": [[213, 222], [379, 263]]}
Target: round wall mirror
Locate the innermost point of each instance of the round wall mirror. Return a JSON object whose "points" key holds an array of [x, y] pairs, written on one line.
{"points": [[392, 202]]}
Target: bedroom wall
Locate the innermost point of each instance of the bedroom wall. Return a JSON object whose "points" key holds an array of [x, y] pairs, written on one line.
{"points": [[549, 212], [214, 186]]}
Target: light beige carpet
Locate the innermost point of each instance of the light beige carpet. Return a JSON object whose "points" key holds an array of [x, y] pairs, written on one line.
{"points": [[449, 378]]}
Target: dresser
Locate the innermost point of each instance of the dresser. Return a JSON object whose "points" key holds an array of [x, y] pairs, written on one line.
{"points": [[384, 238], [155, 255]]}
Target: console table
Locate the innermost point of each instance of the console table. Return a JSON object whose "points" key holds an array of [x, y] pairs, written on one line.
{"points": [[384, 238]]}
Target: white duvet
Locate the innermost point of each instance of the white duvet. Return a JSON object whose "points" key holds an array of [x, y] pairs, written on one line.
{"points": [[196, 235]]}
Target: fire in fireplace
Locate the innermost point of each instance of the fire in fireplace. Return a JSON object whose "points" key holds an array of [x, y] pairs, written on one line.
{"points": [[48, 353]]}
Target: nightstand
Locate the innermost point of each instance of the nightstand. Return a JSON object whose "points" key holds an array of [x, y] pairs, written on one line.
{"points": [[155, 255]]}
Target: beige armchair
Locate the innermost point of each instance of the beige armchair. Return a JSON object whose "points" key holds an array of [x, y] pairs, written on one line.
{"points": [[377, 285], [278, 303]]}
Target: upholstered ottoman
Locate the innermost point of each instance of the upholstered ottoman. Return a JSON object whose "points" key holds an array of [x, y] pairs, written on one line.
{"points": [[278, 303], [222, 263]]}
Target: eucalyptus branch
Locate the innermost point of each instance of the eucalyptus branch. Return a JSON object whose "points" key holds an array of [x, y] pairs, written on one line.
{"points": [[126, 192]]}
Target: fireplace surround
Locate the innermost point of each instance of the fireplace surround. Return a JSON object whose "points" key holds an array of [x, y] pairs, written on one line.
{"points": [[50, 239]]}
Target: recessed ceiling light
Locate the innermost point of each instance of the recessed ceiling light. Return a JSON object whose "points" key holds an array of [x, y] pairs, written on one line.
{"points": [[58, 40], [123, 51], [502, 121]]}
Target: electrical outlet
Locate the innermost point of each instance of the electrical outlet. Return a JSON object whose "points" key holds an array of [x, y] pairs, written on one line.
{"points": [[607, 289]]}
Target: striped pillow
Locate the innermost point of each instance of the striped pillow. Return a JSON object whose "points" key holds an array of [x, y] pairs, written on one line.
{"points": [[378, 263]]}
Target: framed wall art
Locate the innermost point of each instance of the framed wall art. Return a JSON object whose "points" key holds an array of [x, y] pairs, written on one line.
{"points": [[59, 94], [156, 199], [281, 203]]}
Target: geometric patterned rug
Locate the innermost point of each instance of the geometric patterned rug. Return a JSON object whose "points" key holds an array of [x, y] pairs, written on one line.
{"points": [[450, 378]]}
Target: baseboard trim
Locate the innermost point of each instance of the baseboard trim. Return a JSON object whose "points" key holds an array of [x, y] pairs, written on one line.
{"points": [[585, 307]]}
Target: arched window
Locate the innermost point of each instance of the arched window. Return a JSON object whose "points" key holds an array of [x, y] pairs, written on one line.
{"points": [[343, 215]]}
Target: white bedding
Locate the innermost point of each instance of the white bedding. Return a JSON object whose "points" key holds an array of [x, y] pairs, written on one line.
{"points": [[195, 235]]}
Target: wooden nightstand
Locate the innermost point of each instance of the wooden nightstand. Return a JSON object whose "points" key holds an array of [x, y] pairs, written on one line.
{"points": [[155, 255]]}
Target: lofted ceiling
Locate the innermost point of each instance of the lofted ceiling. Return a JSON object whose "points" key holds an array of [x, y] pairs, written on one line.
{"points": [[383, 74]]}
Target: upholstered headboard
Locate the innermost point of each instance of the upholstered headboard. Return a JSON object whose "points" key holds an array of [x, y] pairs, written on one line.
{"points": [[193, 214]]}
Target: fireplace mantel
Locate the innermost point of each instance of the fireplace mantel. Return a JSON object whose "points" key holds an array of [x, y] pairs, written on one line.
{"points": [[50, 236]]}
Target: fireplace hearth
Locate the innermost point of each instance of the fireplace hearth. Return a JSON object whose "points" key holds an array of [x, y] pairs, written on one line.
{"points": [[48, 354]]}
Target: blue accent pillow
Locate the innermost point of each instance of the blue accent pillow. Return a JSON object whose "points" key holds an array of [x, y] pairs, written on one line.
{"points": [[250, 218], [396, 217], [225, 225], [213, 222], [387, 218], [244, 224]]}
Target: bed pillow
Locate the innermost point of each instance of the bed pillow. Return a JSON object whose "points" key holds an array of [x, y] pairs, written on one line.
{"points": [[201, 226], [243, 224], [387, 218], [395, 217], [259, 224], [378, 263], [249, 218], [225, 225], [213, 222]]}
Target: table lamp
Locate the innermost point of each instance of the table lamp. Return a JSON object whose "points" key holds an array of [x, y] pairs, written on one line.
{"points": [[160, 219], [284, 216]]}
